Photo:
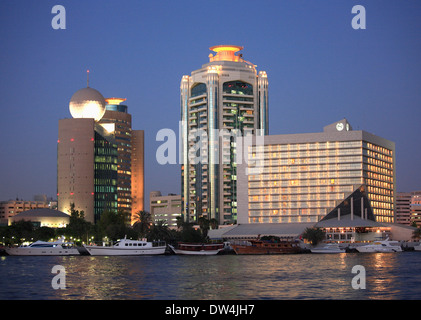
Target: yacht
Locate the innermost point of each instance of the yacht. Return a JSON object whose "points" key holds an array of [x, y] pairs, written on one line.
{"points": [[43, 248], [381, 246], [328, 248], [126, 247]]}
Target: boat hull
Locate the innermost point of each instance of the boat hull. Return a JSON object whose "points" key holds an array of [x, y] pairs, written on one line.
{"points": [[378, 250], [244, 249], [113, 251], [417, 248], [326, 251], [196, 252], [27, 251]]}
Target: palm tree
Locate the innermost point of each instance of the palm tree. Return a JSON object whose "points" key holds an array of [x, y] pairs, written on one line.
{"points": [[214, 224], [143, 223], [416, 234], [314, 235], [204, 225], [160, 231]]}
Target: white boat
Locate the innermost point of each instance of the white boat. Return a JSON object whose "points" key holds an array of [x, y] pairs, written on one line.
{"points": [[126, 247], [198, 249], [328, 248], [418, 247], [42, 248], [381, 246]]}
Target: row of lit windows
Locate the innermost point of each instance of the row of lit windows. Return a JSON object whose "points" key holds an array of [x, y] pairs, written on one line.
{"points": [[302, 190], [378, 163], [283, 219], [300, 161], [306, 175], [308, 153], [382, 212], [287, 212], [378, 148], [307, 146], [294, 205], [383, 205], [314, 182], [297, 197], [378, 197], [378, 155], [320, 167], [377, 176], [377, 190], [381, 184]]}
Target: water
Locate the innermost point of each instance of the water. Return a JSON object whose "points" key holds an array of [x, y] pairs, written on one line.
{"points": [[221, 277]]}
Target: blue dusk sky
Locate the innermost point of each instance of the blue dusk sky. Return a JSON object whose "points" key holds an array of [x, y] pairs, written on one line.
{"points": [[320, 70]]}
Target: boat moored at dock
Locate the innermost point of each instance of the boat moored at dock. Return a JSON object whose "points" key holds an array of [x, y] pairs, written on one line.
{"points": [[198, 249], [44, 248], [381, 246], [266, 247], [126, 247], [328, 248]]}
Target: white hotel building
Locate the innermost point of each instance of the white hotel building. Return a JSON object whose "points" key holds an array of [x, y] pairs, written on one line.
{"points": [[304, 176]]}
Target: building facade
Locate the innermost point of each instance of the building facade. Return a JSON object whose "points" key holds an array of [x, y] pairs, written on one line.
{"points": [[302, 177], [416, 208], [165, 208], [130, 182], [138, 172], [100, 162], [10, 208], [403, 208], [86, 168], [226, 97]]}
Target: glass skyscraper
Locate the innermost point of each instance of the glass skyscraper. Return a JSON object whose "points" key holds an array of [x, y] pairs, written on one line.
{"points": [[223, 99]]}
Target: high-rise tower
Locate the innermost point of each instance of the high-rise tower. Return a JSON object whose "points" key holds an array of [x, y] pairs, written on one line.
{"points": [[130, 186], [225, 97], [86, 158], [100, 162]]}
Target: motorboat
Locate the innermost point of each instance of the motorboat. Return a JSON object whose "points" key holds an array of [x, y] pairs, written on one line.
{"points": [[198, 249], [417, 247], [43, 248], [127, 247], [381, 246], [328, 248]]}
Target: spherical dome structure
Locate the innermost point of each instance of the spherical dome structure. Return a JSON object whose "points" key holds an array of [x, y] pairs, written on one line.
{"points": [[87, 103]]}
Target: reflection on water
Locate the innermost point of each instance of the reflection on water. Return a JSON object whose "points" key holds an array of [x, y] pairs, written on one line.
{"points": [[306, 276]]}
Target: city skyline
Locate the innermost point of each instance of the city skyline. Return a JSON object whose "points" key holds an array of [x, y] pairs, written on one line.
{"points": [[320, 69]]}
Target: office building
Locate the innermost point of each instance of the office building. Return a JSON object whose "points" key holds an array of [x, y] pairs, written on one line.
{"points": [[130, 182], [416, 208], [302, 177], [86, 158], [403, 208], [100, 158], [225, 97], [165, 208]]}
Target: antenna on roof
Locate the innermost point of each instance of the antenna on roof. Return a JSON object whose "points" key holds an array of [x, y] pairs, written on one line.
{"points": [[87, 78]]}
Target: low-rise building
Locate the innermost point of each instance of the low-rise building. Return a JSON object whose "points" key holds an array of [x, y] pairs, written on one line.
{"points": [[165, 208], [10, 208], [43, 218]]}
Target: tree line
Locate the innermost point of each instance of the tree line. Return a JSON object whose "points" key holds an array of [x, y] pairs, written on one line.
{"points": [[111, 226]]}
